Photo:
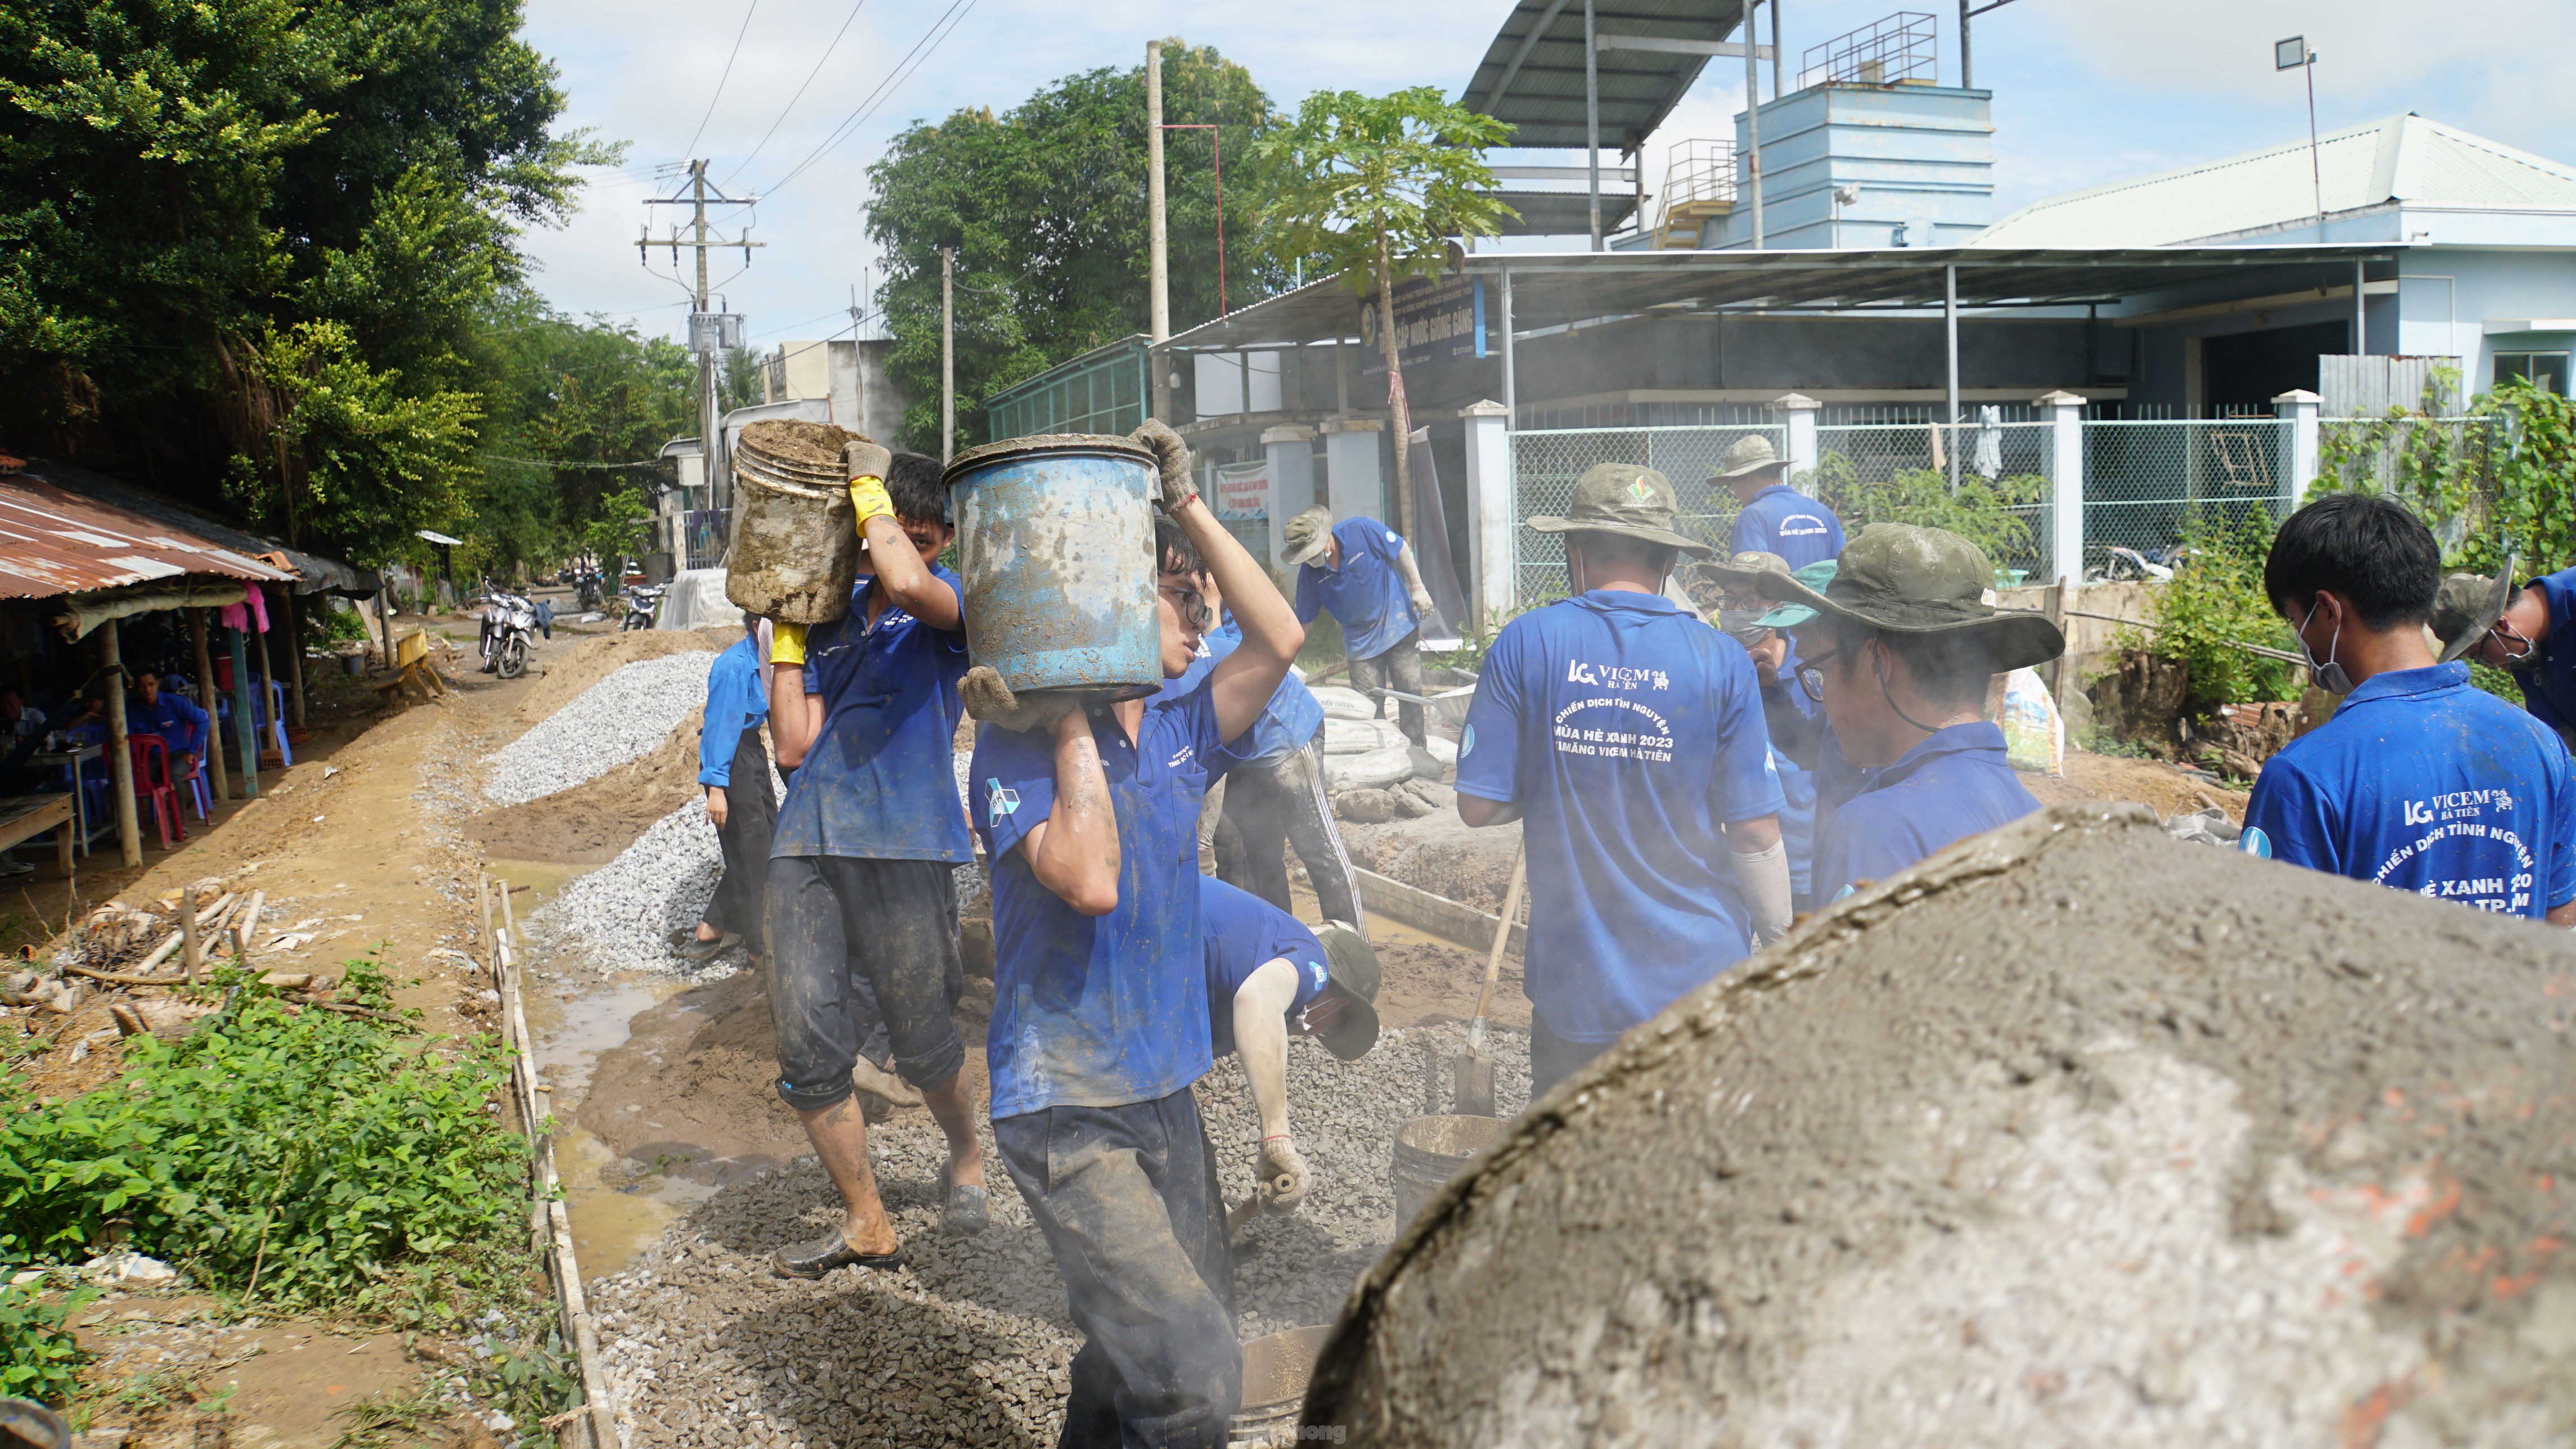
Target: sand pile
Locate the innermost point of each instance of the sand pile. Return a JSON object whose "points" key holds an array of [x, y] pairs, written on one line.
{"points": [[2073, 1135]]}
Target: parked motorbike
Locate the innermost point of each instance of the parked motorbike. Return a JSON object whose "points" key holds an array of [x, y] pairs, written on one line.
{"points": [[643, 602], [509, 632], [588, 588]]}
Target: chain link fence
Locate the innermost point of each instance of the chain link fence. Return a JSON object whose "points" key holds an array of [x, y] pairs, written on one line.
{"points": [[1546, 464], [704, 535], [1998, 493], [2148, 484]]}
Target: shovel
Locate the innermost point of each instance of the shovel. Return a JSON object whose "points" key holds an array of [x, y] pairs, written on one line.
{"points": [[1474, 1070]]}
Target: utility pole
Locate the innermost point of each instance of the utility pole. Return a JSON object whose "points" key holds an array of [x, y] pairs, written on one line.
{"points": [[701, 322], [1967, 62], [1753, 120], [947, 352], [2293, 54], [1158, 257]]}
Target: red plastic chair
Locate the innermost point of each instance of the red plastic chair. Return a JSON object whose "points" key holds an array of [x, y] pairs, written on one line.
{"points": [[151, 756]]}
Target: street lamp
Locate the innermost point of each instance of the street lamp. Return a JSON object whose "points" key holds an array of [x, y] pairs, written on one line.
{"points": [[2293, 54]]}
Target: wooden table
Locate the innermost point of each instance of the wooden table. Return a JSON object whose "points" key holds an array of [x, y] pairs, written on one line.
{"points": [[24, 817]]}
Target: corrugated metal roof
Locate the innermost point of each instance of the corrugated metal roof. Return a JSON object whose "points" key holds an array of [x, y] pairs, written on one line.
{"points": [[55, 542], [1532, 75], [313, 573], [2400, 159]]}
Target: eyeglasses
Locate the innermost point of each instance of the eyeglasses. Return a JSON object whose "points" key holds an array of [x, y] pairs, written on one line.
{"points": [[1192, 606], [1811, 675], [1319, 1014]]}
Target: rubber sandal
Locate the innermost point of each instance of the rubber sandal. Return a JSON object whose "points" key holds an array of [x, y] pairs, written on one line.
{"points": [[694, 949], [823, 1255], [968, 1209]]}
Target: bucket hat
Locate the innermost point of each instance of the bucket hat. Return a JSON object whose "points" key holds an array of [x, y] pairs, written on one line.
{"points": [[1739, 571], [1306, 537], [2467, 606], [1909, 580], [1789, 616], [1625, 499], [1350, 963], [1749, 454]]}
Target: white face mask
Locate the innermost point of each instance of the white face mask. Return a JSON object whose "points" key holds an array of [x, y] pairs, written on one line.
{"points": [[2330, 675]]}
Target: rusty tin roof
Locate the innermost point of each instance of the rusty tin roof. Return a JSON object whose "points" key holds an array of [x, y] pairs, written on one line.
{"points": [[54, 542]]}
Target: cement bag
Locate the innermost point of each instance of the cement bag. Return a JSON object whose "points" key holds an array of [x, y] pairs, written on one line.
{"points": [[1359, 736], [1373, 771], [2072, 1134], [1340, 701], [2034, 732], [1445, 751]]}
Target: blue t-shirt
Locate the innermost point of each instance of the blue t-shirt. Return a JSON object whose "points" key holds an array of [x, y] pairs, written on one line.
{"points": [[2424, 782], [1784, 521], [736, 701], [1954, 784], [1245, 933], [2549, 680], [1631, 733], [1099, 1011], [1366, 595], [1287, 722], [178, 720], [880, 780]]}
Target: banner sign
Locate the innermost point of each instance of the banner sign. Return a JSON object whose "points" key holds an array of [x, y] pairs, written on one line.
{"points": [[1242, 490], [1437, 319]]}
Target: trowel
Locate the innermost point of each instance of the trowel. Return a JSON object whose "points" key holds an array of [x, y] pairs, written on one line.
{"points": [[1473, 1069]]}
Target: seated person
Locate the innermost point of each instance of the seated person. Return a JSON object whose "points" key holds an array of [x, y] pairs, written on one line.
{"points": [[21, 718], [177, 719]]}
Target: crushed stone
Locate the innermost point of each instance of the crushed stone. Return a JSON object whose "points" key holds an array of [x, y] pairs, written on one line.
{"points": [[619, 718], [620, 916]]}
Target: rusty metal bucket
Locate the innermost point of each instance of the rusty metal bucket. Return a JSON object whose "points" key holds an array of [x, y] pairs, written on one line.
{"points": [[1275, 1371], [1055, 546], [1431, 1150]]}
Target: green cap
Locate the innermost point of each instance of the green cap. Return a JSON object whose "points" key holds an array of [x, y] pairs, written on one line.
{"points": [[1909, 580], [1350, 962], [2467, 607], [1306, 537], [1790, 616], [1624, 498], [1749, 454]]}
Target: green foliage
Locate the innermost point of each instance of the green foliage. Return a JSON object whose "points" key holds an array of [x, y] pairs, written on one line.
{"points": [[348, 451], [312, 1151], [618, 528], [2214, 605], [1469, 656], [2499, 480], [1046, 208], [1980, 510], [1374, 187], [38, 1357]]}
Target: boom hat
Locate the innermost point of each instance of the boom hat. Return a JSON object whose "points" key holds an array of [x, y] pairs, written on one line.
{"points": [[1749, 454], [1789, 616], [1739, 571], [2467, 606], [1350, 963], [1908, 580], [1625, 499], [1306, 537]]}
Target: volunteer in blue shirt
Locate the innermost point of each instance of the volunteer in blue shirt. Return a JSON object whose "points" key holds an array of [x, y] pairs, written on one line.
{"points": [[1362, 573], [2523, 630], [733, 769], [1627, 737], [1269, 978], [864, 709], [1739, 614], [177, 719], [1899, 655], [1274, 793], [2419, 780], [1100, 1020], [1777, 519]]}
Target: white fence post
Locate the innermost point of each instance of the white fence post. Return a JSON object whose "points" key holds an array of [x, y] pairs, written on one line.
{"points": [[1801, 449], [2065, 485], [1352, 471], [1291, 455], [1489, 509], [2299, 408]]}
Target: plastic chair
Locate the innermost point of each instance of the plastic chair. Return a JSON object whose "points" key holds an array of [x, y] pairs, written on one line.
{"points": [[196, 783], [151, 756], [277, 722]]}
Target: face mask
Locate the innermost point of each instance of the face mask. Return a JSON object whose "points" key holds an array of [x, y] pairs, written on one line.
{"points": [[2330, 675], [1739, 622]]}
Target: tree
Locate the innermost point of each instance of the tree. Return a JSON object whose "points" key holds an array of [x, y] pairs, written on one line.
{"points": [[1046, 208], [1374, 187]]}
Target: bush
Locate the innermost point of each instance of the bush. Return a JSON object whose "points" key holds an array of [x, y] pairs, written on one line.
{"points": [[37, 1353], [1980, 510], [2213, 606]]}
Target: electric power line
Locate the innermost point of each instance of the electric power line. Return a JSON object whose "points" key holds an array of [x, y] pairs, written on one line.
{"points": [[561, 464], [885, 88], [691, 149], [800, 90]]}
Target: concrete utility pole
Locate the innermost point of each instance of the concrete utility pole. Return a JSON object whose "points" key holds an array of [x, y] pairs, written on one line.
{"points": [[1158, 256], [947, 352], [710, 441], [1753, 120]]}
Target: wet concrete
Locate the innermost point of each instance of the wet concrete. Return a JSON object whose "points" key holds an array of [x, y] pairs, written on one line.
{"points": [[2074, 1135]]}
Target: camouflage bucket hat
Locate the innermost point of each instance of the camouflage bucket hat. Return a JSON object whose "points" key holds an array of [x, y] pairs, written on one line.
{"points": [[1623, 498], [2467, 607], [1747, 455], [1306, 537], [1739, 572], [1909, 580], [1350, 963]]}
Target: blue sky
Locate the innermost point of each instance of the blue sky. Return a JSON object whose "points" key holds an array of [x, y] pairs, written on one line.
{"points": [[2086, 91]]}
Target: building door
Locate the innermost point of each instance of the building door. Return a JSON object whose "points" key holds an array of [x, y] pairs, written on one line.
{"points": [[2243, 371]]}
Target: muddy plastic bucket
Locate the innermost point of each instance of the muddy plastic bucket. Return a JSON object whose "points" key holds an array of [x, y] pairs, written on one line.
{"points": [[795, 547], [1431, 1150], [1055, 544], [1275, 1371]]}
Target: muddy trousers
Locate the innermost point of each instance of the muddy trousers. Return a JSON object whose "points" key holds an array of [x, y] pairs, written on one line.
{"points": [[751, 818], [851, 938], [1276, 805], [1553, 1058], [1398, 668], [1128, 1200]]}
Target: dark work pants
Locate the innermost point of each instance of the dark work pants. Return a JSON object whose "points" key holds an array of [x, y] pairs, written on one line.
{"points": [[1280, 804], [751, 818], [1398, 668], [842, 931], [1128, 1200], [1553, 1058]]}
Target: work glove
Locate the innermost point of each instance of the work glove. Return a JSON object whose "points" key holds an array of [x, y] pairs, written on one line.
{"points": [[863, 459], [865, 465], [1283, 1178], [786, 643], [1171, 458], [990, 700], [1422, 604]]}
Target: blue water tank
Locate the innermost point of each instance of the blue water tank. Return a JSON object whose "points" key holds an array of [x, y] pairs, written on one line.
{"points": [[1918, 161]]}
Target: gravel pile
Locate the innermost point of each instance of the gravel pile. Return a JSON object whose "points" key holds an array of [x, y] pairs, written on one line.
{"points": [[620, 916], [613, 721], [706, 1345]]}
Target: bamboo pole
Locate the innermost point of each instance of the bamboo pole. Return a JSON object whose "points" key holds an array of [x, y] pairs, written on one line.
{"points": [[120, 759], [191, 956], [295, 653], [219, 774]]}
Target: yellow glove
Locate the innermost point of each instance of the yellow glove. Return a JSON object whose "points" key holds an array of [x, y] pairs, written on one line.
{"points": [[868, 499], [787, 643]]}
